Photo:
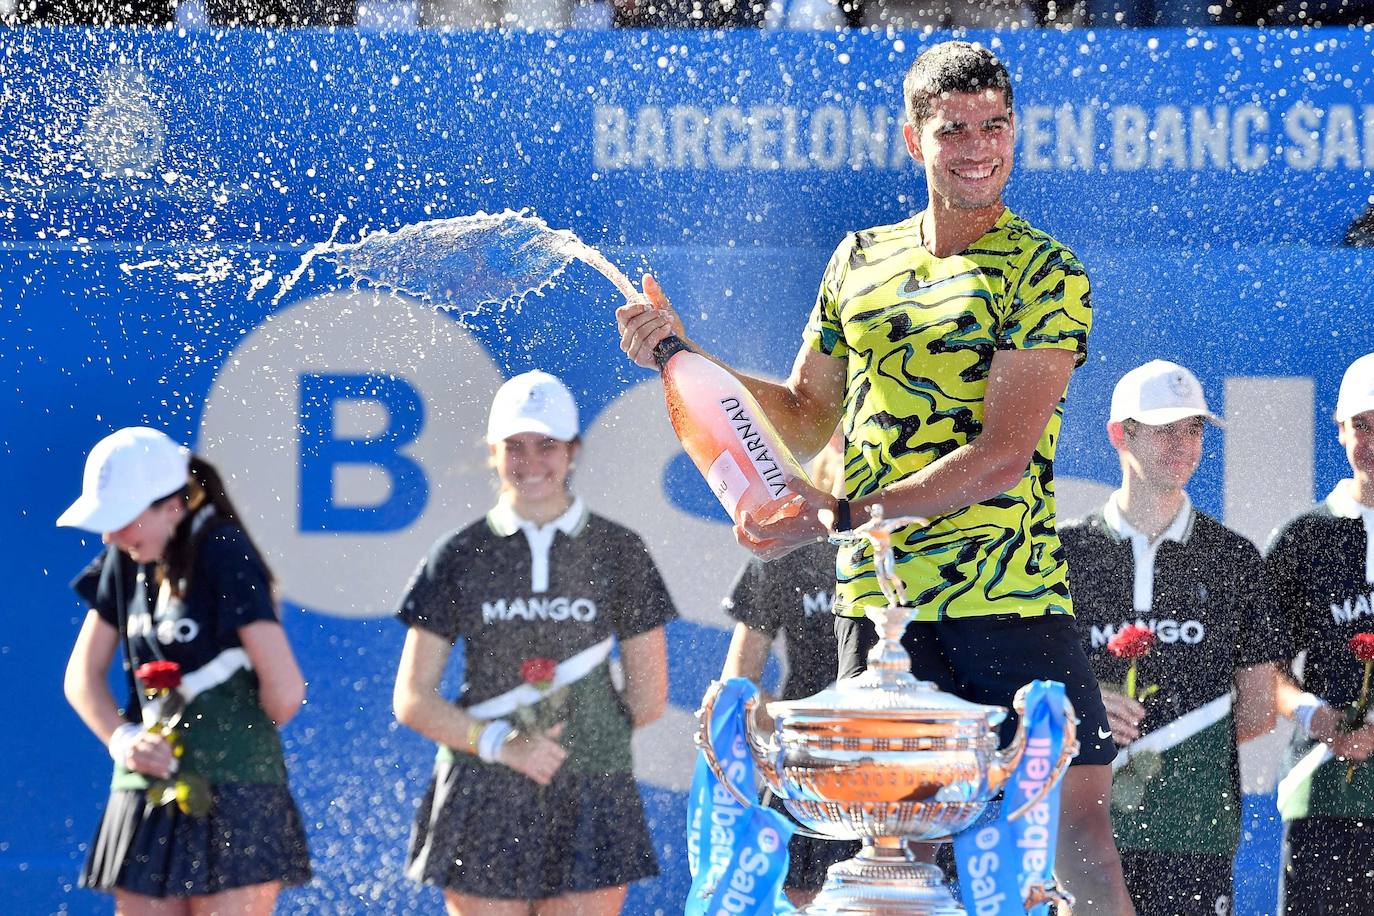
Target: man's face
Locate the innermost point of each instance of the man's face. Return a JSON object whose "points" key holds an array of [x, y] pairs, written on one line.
{"points": [[1357, 435], [966, 147], [1165, 456]]}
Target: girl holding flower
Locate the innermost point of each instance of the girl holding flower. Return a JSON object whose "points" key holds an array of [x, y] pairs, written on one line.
{"points": [[533, 805], [199, 818]]}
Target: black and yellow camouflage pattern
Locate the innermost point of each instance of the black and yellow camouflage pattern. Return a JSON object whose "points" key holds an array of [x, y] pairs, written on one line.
{"points": [[919, 334]]}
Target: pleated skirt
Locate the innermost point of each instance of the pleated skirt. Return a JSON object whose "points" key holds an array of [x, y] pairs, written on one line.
{"points": [[488, 831], [252, 835]]}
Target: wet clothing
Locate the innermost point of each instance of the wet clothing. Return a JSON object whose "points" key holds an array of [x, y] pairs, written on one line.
{"points": [[986, 660], [516, 594], [582, 832], [225, 736], [252, 835], [1200, 588], [1327, 867], [793, 595], [1178, 884], [1321, 567], [918, 334]]}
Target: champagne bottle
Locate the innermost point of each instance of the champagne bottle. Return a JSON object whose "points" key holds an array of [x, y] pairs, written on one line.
{"points": [[721, 427]]}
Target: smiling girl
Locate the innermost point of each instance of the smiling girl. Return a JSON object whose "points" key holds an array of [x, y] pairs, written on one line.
{"points": [[533, 806]]}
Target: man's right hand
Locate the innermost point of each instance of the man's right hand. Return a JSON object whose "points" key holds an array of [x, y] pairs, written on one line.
{"points": [[1124, 715], [644, 323], [537, 757]]}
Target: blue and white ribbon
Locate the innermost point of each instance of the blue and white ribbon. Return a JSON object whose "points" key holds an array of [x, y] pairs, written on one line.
{"points": [[999, 859], [737, 854]]}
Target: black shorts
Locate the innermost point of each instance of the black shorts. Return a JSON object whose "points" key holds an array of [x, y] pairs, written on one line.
{"points": [[1327, 863], [987, 659], [1177, 883]]}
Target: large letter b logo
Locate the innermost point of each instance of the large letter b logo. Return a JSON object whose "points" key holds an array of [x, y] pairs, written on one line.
{"points": [[323, 451]]}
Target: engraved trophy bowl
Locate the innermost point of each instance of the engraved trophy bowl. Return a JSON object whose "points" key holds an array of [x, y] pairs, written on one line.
{"points": [[888, 760]]}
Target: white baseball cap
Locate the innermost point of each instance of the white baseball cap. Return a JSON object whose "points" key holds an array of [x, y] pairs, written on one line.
{"points": [[533, 402], [1159, 393], [126, 472], [1357, 389]]}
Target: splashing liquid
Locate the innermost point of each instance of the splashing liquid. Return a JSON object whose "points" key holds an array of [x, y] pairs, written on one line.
{"points": [[463, 262]]}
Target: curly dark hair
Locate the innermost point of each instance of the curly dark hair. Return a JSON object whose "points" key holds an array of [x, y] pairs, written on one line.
{"points": [[948, 67]]}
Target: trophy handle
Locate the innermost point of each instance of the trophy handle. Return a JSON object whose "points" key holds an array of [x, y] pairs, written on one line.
{"points": [[1067, 751], [703, 741]]}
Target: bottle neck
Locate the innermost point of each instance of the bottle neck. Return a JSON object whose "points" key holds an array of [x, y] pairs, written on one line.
{"points": [[667, 348]]}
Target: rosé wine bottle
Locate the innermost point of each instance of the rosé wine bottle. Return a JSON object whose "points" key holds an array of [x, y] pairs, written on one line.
{"points": [[727, 436]]}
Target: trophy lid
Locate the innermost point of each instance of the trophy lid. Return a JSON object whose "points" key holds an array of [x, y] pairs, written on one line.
{"points": [[876, 694]]}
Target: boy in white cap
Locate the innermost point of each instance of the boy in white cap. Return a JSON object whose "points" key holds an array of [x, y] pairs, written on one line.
{"points": [[1148, 557], [1321, 565]]}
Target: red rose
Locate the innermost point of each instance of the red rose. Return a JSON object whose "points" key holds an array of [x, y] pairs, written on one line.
{"points": [[1133, 641], [159, 675], [539, 672], [1362, 644]]}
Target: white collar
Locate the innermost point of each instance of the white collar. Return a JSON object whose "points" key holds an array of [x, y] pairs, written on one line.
{"points": [[1179, 529], [505, 522], [1343, 504]]}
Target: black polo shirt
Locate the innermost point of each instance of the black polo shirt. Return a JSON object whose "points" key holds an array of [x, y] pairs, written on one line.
{"points": [[1211, 615], [511, 603], [1318, 566], [794, 595]]}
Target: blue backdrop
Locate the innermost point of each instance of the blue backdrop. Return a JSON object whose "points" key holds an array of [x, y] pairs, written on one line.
{"points": [[156, 188]]}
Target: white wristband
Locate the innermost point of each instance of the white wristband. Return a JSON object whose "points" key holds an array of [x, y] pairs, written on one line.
{"points": [[123, 739], [1307, 707], [493, 736]]}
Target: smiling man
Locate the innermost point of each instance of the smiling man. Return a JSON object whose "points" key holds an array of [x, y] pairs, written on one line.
{"points": [[944, 345], [1148, 557]]}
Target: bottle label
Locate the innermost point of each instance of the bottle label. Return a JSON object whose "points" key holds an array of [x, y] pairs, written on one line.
{"points": [[750, 434], [727, 481]]}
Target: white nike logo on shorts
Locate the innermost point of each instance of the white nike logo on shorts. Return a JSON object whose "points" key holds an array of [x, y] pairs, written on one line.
{"points": [[1104, 735]]}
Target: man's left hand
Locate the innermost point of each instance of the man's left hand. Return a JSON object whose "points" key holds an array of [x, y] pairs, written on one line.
{"points": [[804, 519]]}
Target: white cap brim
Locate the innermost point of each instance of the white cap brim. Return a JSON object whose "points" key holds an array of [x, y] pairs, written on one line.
{"points": [[520, 425], [1353, 407], [1163, 416], [99, 517]]}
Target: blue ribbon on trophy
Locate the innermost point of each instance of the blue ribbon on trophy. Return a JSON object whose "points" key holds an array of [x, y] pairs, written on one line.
{"points": [[1003, 864], [737, 854]]}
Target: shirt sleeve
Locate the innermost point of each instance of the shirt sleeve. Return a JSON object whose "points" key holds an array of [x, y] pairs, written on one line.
{"points": [[1260, 638], [752, 602], [1282, 572], [96, 586], [1051, 306], [237, 578], [430, 600], [824, 330], [643, 600]]}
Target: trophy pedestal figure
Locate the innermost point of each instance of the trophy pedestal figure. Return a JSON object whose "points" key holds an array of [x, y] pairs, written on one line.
{"points": [[889, 760]]}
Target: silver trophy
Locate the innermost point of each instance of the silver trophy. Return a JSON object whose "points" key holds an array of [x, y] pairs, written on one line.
{"points": [[888, 760]]}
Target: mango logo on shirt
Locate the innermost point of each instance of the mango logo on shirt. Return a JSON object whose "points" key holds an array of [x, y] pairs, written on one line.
{"points": [[817, 603], [539, 607], [1353, 609], [167, 631], [1190, 632]]}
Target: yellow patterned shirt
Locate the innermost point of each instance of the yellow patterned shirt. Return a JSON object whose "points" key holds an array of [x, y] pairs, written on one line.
{"points": [[918, 334]]}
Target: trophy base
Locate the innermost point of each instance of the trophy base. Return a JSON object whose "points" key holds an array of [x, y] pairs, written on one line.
{"points": [[883, 881]]}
